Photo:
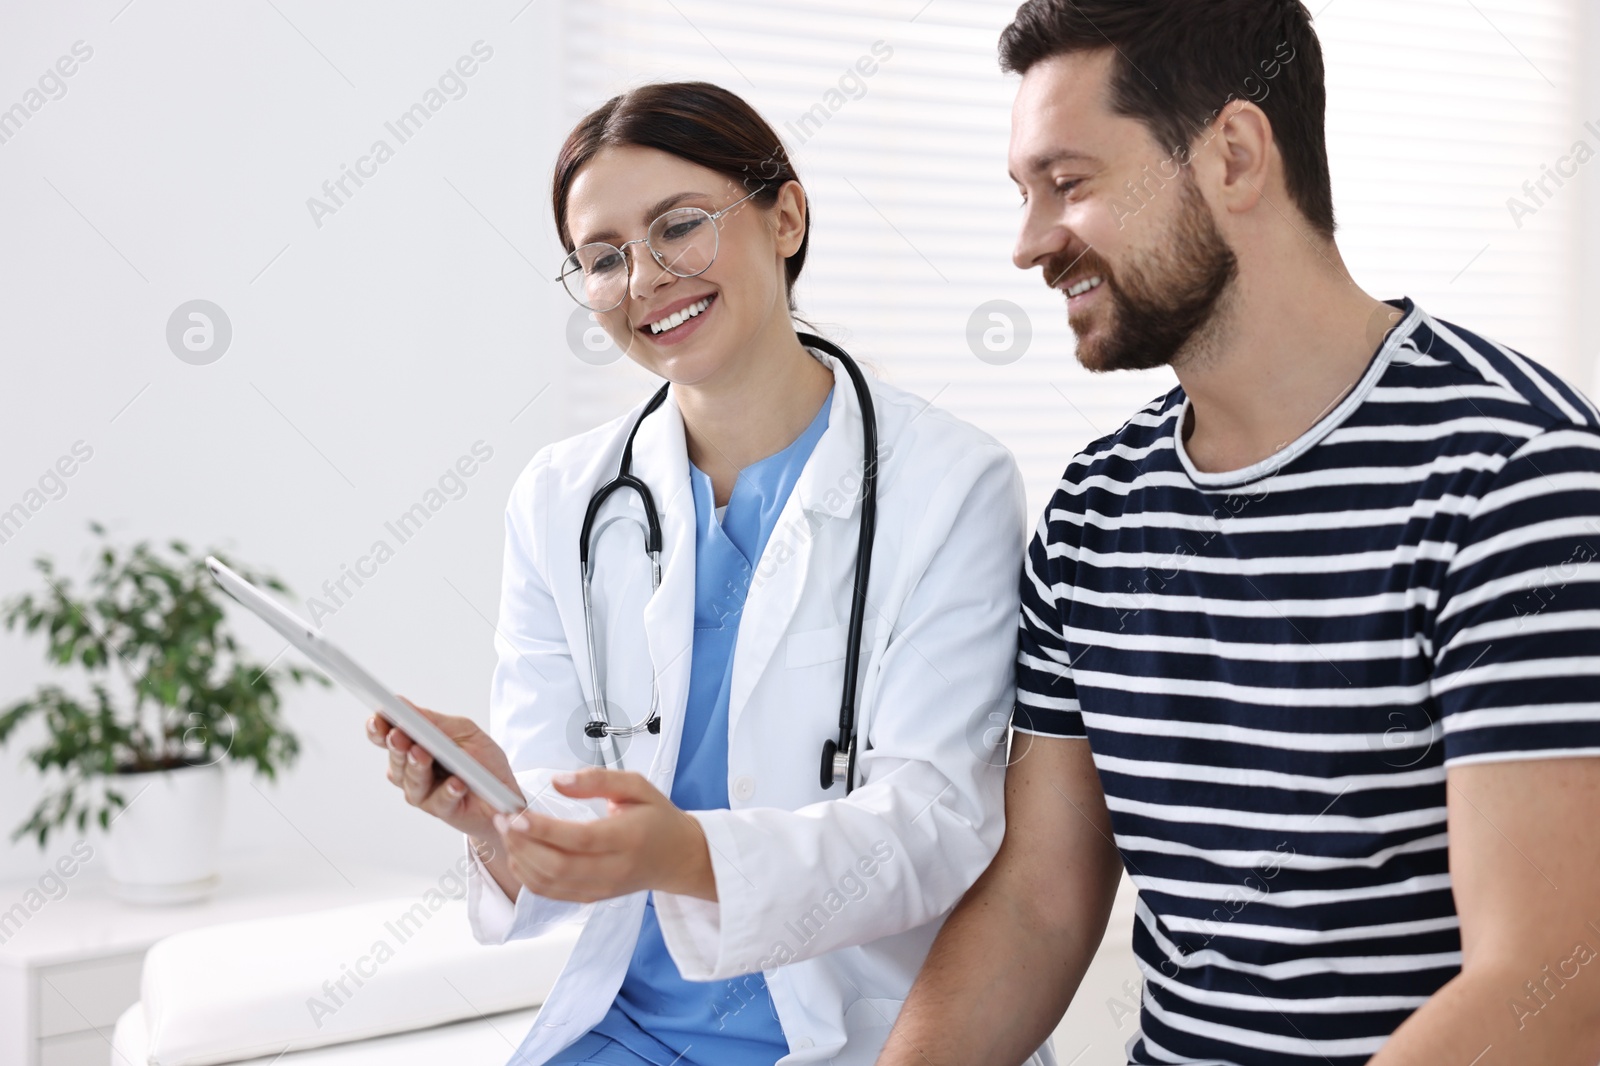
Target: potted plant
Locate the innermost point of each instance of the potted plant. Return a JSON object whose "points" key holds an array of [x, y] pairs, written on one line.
{"points": [[144, 762]]}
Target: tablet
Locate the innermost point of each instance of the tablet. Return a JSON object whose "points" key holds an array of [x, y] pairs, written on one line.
{"points": [[365, 687]]}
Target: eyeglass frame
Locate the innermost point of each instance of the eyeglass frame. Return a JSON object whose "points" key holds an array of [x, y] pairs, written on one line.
{"points": [[622, 250]]}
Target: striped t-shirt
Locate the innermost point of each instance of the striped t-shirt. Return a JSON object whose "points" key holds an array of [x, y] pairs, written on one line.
{"points": [[1274, 668]]}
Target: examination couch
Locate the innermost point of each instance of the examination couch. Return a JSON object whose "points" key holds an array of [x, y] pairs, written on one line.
{"points": [[285, 992], [399, 982]]}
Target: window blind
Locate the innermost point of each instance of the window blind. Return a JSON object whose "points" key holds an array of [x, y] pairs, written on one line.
{"points": [[1439, 110]]}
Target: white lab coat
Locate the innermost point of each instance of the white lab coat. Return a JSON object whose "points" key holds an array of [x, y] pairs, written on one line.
{"points": [[835, 898]]}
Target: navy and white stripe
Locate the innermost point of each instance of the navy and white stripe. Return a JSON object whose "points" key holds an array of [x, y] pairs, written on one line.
{"points": [[1275, 667]]}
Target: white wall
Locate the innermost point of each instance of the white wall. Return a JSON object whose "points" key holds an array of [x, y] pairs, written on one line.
{"points": [[368, 356]]}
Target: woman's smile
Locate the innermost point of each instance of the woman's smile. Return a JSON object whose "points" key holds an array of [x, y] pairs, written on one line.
{"points": [[679, 320]]}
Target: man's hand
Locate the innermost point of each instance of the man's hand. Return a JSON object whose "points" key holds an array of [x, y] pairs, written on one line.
{"points": [[644, 842]]}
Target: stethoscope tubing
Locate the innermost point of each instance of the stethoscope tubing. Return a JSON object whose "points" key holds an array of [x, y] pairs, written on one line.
{"points": [[838, 756]]}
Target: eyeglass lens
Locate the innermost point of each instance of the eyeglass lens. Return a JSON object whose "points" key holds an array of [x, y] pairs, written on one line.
{"points": [[683, 241]]}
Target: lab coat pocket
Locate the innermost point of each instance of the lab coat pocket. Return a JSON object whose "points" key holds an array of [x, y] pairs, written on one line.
{"points": [[815, 646], [866, 1024]]}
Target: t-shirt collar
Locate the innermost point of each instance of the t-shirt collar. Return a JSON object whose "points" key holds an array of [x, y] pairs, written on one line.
{"points": [[1396, 337]]}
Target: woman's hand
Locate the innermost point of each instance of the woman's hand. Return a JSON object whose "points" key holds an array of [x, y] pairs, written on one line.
{"points": [[431, 788], [644, 842]]}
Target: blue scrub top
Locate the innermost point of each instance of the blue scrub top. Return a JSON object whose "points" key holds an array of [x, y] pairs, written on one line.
{"points": [[657, 1014]]}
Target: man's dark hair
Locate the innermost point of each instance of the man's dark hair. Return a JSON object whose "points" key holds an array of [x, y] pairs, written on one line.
{"points": [[1177, 63]]}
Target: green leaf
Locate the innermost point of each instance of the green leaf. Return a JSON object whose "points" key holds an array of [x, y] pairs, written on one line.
{"points": [[153, 626]]}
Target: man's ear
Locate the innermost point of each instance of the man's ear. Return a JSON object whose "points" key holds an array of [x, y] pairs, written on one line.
{"points": [[1240, 155]]}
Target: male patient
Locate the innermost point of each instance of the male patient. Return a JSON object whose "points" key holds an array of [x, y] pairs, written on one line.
{"points": [[1314, 638]]}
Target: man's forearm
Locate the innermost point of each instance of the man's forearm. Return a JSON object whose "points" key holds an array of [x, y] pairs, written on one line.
{"points": [[997, 980], [1474, 1019]]}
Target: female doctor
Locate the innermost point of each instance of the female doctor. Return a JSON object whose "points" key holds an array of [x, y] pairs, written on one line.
{"points": [[735, 910]]}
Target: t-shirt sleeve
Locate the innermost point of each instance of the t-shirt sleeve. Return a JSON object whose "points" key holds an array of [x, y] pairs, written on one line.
{"points": [[1047, 699], [1517, 630]]}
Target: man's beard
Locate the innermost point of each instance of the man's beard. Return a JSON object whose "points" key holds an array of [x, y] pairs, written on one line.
{"points": [[1160, 299]]}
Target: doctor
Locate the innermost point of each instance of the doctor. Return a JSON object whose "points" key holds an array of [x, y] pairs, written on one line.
{"points": [[735, 910]]}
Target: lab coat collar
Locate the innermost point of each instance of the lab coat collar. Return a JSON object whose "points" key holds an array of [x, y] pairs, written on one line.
{"points": [[828, 488], [830, 484], [661, 460]]}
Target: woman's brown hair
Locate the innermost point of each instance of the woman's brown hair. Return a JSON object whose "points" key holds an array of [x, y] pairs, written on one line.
{"points": [[693, 120]]}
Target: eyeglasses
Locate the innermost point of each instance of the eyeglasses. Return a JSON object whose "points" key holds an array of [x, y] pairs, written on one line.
{"points": [[683, 241]]}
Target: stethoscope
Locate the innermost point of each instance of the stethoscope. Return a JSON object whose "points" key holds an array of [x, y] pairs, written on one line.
{"points": [[838, 756]]}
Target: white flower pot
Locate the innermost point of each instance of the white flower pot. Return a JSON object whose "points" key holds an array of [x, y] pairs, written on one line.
{"points": [[165, 845]]}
